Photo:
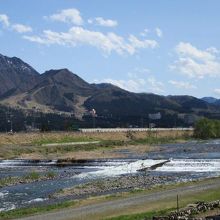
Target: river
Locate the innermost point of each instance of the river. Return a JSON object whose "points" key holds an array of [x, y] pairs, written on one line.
{"points": [[188, 161]]}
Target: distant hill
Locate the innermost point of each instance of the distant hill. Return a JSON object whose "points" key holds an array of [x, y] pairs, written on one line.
{"points": [[211, 100], [63, 92]]}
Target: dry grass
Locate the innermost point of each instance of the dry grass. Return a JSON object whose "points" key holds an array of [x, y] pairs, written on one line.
{"points": [[30, 138], [30, 145]]}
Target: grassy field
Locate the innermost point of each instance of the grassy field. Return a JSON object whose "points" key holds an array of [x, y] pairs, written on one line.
{"points": [[18, 213], [32, 145], [154, 209], [58, 137]]}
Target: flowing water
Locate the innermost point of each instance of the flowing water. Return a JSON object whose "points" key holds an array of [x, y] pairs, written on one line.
{"points": [[191, 160]]}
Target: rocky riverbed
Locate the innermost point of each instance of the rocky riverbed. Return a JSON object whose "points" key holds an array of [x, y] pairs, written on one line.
{"points": [[33, 177], [117, 184]]}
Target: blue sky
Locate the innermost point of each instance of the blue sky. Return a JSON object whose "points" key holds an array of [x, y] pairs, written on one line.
{"points": [[168, 47]]}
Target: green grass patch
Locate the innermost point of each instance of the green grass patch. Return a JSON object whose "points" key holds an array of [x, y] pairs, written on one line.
{"points": [[152, 140], [144, 215], [51, 174], [65, 139], [184, 200], [33, 176], [30, 177], [18, 213]]}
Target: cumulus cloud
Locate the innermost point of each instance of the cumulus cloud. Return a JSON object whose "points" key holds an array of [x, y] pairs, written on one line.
{"points": [[132, 85], [136, 43], [217, 92], [4, 19], [20, 28], [137, 84], [159, 32], [103, 22], [196, 63], [182, 85], [106, 42], [70, 15], [155, 85], [145, 32], [187, 49], [137, 80], [212, 50]]}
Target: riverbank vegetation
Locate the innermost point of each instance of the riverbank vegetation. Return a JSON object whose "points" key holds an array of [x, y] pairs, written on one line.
{"points": [[96, 145], [18, 213], [207, 128], [154, 209], [30, 177]]}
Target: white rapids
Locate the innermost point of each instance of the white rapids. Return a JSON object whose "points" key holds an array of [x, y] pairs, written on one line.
{"points": [[191, 165], [37, 200], [125, 168], [3, 194], [21, 162]]}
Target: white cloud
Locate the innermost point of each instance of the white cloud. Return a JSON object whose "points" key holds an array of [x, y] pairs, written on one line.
{"points": [[217, 92], [138, 84], [196, 63], [103, 22], [106, 42], [136, 43], [35, 39], [4, 19], [182, 85], [187, 49], [155, 86], [70, 15], [132, 85], [213, 50], [20, 28], [145, 32], [138, 80], [159, 32]]}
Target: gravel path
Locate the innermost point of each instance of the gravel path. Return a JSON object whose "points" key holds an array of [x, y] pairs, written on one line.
{"points": [[70, 143], [110, 207]]}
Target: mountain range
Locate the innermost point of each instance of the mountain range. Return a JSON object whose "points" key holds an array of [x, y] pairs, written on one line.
{"points": [[61, 91], [211, 100]]}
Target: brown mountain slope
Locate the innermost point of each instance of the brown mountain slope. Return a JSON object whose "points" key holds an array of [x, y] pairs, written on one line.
{"points": [[16, 76], [61, 91]]}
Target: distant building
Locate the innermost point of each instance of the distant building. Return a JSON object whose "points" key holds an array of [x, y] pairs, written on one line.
{"points": [[155, 116]]}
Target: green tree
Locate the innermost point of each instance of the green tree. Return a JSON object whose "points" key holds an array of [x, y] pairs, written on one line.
{"points": [[206, 128]]}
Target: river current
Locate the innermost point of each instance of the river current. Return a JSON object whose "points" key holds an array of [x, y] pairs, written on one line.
{"points": [[191, 160]]}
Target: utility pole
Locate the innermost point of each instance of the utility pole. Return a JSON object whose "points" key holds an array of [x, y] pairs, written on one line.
{"points": [[11, 126], [6, 121], [142, 122], [177, 203], [11, 123], [93, 114]]}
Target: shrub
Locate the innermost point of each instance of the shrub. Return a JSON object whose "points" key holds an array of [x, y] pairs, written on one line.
{"points": [[206, 128], [33, 176]]}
